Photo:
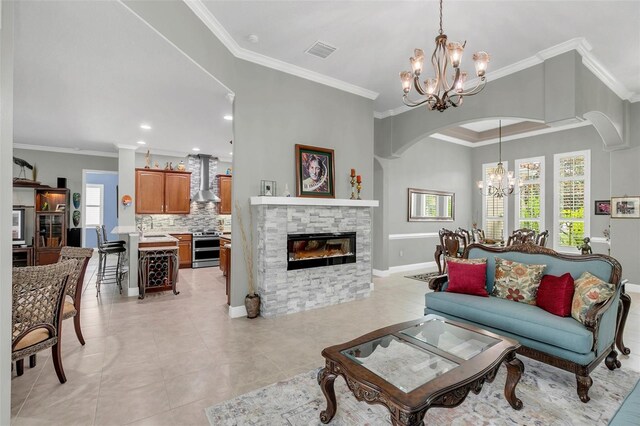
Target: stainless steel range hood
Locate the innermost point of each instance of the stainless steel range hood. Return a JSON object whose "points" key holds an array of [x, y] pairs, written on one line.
{"points": [[205, 194]]}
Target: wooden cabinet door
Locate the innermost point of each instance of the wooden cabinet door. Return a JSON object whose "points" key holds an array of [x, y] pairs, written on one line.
{"points": [[149, 191], [224, 185], [177, 193], [184, 254]]}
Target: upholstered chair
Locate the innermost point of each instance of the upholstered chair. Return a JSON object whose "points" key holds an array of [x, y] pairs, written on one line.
{"points": [[38, 298], [73, 294]]}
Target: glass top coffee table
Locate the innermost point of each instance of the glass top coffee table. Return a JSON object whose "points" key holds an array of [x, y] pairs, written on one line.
{"points": [[413, 366]]}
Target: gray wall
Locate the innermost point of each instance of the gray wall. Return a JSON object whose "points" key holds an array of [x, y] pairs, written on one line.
{"points": [[547, 145], [429, 164], [52, 165], [272, 112]]}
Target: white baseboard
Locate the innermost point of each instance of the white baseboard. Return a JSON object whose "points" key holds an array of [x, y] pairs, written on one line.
{"points": [[632, 288], [372, 286], [412, 267], [237, 311], [379, 273], [133, 291]]}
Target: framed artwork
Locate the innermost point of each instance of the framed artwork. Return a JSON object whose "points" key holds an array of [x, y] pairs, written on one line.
{"points": [[625, 207], [315, 174], [602, 207]]}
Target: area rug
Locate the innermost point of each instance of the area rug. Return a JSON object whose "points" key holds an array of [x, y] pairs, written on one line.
{"points": [[549, 397], [423, 277]]}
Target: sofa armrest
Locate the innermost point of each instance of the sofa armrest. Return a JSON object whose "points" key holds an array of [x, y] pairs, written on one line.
{"points": [[594, 318], [436, 283]]}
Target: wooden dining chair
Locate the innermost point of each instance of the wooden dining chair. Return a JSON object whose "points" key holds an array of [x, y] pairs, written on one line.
{"points": [[73, 294], [521, 236], [541, 238], [38, 298], [466, 235], [478, 235]]}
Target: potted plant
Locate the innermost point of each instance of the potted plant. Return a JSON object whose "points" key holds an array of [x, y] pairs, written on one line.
{"points": [[252, 299]]}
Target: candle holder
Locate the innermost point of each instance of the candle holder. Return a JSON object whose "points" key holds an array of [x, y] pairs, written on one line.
{"points": [[353, 188], [359, 187]]}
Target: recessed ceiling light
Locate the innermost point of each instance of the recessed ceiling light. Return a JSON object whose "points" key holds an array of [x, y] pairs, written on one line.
{"points": [[196, 149], [145, 126], [231, 153], [228, 117], [252, 38], [142, 143]]}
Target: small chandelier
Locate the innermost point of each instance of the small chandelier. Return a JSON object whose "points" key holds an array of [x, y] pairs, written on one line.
{"points": [[440, 94], [501, 182]]}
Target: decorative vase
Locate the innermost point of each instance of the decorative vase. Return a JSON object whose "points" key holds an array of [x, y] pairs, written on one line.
{"points": [[76, 218], [252, 304], [76, 200], [181, 167]]}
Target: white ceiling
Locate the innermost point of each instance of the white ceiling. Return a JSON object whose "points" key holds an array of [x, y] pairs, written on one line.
{"points": [[376, 38], [87, 74]]}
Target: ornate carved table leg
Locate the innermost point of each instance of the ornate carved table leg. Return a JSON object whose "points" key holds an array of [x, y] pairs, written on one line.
{"points": [[515, 368], [408, 419], [437, 255], [326, 377], [626, 305]]}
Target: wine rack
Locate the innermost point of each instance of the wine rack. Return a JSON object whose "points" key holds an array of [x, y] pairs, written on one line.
{"points": [[157, 270]]}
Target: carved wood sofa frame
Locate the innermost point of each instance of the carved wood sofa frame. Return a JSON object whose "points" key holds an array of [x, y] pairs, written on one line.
{"points": [[592, 322]]}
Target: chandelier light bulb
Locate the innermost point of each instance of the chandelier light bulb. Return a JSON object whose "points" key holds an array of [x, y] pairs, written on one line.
{"points": [[481, 61], [460, 82], [455, 50], [405, 77], [431, 85], [417, 61]]}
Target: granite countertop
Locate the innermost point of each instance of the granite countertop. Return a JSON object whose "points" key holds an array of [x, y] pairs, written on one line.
{"points": [[158, 237]]}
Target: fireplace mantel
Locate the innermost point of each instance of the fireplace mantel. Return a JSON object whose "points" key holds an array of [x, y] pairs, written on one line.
{"points": [[304, 201]]}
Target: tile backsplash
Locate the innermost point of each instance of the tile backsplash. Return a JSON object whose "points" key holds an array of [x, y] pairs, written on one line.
{"points": [[202, 216]]}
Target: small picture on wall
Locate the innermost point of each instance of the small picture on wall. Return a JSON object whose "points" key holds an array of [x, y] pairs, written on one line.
{"points": [[625, 207], [314, 172], [602, 207]]}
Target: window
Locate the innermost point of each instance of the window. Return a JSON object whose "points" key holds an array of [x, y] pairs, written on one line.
{"points": [[572, 175], [529, 202], [94, 204], [494, 210]]}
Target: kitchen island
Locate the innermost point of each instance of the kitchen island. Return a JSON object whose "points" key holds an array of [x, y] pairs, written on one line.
{"points": [[157, 263]]}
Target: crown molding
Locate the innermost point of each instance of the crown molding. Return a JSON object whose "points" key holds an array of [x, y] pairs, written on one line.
{"points": [[205, 15], [65, 150], [579, 44], [552, 129]]}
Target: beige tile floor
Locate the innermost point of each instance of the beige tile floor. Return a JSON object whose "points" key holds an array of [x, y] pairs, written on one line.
{"points": [[163, 360]]}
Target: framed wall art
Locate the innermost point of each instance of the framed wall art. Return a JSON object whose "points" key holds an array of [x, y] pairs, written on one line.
{"points": [[315, 174], [625, 207], [602, 207]]}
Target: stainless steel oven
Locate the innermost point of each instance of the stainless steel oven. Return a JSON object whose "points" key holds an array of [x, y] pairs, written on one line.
{"points": [[205, 249]]}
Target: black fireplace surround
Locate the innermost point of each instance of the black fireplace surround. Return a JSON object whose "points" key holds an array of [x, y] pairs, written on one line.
{"points": [[314, 250]]}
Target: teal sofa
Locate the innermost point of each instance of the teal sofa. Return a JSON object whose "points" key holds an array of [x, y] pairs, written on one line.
{"points": [[629, 412], [561, 342]]}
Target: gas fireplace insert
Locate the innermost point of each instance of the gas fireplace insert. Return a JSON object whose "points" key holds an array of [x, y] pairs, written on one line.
{"points": [[315, 250]]}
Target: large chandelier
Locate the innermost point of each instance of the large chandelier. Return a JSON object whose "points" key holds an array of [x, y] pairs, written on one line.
{"points": [[439, 91], [501, 182]]}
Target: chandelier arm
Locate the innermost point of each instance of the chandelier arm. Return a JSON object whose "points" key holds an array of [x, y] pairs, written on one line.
{"points": [[444, 76], [436, 67], [479, 87], [411, 103], [418, 86]]}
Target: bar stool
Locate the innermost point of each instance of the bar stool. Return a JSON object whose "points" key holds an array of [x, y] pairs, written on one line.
{"points": [[105, 271]]}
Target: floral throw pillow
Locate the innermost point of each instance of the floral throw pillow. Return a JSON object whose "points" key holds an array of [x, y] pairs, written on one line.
{"points": [[589, 290], [517, 281]]}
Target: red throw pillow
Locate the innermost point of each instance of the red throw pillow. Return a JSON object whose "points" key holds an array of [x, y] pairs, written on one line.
{"points": [[467, 278], [555, 294]]}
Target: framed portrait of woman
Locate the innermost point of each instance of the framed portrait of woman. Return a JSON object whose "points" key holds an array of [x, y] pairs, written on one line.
{"points": [[315, 175]]}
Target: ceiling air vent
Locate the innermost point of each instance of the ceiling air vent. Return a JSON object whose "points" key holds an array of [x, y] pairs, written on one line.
{"points": [[320, 49]]}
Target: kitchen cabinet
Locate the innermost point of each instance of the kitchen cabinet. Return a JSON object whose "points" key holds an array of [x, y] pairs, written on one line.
{"points": [[224, 188], [51, 224], [162, 191], [225, 252], [184, 250]]}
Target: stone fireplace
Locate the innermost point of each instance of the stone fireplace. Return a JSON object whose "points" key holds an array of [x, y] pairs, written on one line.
{"points": [[311, 252]]}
